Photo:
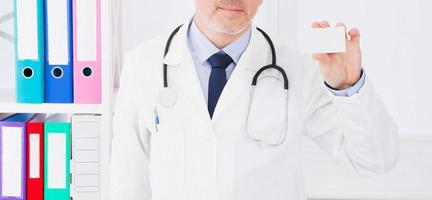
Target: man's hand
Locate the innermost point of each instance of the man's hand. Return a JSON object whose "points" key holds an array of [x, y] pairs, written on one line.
{"points": [[341, 70]]}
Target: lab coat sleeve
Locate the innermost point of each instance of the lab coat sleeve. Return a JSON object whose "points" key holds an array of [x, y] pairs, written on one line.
{"points": [[356, 131], [129, 168]]}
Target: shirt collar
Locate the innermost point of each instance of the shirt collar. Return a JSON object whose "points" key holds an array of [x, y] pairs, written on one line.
{"points": [[203, 48]]}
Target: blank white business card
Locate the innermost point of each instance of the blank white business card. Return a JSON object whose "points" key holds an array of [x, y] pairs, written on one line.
{"points": [[322, 40]]}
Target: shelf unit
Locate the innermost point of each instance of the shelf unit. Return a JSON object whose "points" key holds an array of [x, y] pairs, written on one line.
{"points": [[105, 109]]}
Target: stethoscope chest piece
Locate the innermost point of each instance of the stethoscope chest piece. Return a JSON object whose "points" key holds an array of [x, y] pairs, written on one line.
{"points": [[167, 98]]}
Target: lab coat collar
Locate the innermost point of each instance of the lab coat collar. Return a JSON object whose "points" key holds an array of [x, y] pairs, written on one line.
{"points": [[258, 53], [184, 74], [178, 47]]}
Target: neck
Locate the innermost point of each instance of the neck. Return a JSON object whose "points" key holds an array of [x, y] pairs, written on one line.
{"points": [[220, 40]]}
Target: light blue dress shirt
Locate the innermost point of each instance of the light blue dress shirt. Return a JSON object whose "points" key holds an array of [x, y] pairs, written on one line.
{"points": [[202, 49]]}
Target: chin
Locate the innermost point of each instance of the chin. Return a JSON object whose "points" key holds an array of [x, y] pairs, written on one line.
{"points": [[229, 26]]}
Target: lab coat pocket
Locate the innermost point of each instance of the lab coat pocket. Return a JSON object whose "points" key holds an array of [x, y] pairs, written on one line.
{"points": [[167, 150]]}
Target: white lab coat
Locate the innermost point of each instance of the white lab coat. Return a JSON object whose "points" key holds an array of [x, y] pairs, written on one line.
{"points": [[193, 157]]}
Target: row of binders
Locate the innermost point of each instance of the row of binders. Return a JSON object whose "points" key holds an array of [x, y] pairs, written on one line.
{"points": [[49, 158], [58, 51]]}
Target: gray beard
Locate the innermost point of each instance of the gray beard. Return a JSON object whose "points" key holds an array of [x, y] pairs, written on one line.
{"points": [[219, 28]]}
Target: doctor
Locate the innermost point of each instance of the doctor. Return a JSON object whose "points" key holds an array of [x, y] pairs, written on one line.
{"points": [[203, 135]]}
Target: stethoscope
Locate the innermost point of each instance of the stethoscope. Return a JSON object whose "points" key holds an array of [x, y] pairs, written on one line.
{"points": [[167, 97]]}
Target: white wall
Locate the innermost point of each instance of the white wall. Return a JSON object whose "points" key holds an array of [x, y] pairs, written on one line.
{"points": [[396, 47]]}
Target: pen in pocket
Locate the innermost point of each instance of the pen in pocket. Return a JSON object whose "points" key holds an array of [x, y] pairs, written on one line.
{"points": [[156, 118]]}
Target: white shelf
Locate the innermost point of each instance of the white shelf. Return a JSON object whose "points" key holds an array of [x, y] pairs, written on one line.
{"points": [[8, 105], [50, 108]]}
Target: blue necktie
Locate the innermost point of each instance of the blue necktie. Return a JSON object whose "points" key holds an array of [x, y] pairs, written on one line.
{"points": [[219, 62]]}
